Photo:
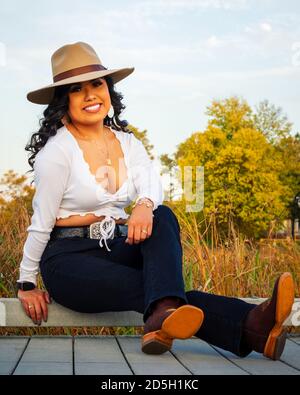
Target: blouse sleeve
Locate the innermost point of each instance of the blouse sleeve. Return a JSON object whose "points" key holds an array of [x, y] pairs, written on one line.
{"points": [[51, 170], [146, 178]]}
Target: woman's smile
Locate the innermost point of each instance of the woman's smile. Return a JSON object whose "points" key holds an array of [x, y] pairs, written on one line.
{"points": [[93, 108]]}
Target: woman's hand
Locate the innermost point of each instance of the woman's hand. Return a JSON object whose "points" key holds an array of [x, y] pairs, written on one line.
{"points": [[38, 299], [141, 218]]}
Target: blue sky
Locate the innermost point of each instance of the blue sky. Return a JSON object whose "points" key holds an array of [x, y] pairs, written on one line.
{"points": [[185, 53]]}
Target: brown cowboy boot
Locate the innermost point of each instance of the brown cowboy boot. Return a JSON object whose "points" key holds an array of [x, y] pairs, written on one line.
{"points": [[263, 329], [170, 319]]}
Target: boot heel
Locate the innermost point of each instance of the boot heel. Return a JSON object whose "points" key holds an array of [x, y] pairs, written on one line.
{"points": [[284, 303], [156, 343], [275, 343]]}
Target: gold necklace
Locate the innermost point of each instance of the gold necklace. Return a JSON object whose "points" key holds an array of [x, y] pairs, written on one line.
{"points": [[98, 145]]}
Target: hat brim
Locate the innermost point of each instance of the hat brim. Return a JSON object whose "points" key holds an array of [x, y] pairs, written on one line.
{"points": [[45, 95]]}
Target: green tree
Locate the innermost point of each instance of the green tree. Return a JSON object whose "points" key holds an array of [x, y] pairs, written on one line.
{"points": [[142, 136], [169, 166], [270, 120], [289, 150]]}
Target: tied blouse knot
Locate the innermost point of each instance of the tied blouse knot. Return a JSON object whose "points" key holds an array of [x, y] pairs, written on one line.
{"points": [[106, 230]]}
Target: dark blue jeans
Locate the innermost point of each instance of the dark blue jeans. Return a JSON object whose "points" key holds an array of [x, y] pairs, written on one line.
{"points": [[84, 277]]}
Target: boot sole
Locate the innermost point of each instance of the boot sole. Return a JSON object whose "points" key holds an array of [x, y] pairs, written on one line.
{"points": [[183, 323], [284, 304]]}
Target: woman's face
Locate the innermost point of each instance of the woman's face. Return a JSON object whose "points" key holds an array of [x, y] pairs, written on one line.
{"points": [[89, 101]]}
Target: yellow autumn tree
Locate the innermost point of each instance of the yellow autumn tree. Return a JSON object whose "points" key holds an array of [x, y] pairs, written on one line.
{"points": [[241, 169]]}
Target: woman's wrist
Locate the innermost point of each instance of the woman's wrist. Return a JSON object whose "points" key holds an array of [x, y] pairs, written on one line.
{"points": [[145, 201], [25, 285]]}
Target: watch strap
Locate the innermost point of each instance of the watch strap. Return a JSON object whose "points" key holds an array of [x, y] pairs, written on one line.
{"points": [[25, 285]]}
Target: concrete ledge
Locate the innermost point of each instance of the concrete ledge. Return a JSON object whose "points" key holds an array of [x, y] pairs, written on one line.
{"points": [[13, 315]]}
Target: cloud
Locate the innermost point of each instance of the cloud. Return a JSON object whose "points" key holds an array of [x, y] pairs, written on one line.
{"points": [[213, 41], [2, 54], [141, 16], [266, 27], [167, 7], [185, 80], [32, 62], [271, 40]]}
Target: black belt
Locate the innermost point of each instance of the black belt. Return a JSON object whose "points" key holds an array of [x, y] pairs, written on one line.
{"points": [[88, 231]]}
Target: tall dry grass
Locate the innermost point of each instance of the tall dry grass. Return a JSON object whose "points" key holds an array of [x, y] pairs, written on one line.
{"points": [[235, 267]]}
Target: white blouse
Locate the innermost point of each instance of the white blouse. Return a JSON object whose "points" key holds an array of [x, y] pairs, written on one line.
{"points": [[65, 186]]}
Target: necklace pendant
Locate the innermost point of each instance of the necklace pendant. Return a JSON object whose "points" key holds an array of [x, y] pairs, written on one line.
{"points": [[108, 161]]}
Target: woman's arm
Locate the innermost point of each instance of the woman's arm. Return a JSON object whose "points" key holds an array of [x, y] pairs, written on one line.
{"points": [[51, 171], [147, 182], [146, 178]]}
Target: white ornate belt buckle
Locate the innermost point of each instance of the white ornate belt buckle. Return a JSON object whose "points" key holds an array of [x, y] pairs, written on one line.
{"points": [[95, 232]]}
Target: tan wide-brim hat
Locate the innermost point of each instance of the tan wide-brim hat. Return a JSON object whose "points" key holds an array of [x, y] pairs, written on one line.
{"points": [[75, 63]]}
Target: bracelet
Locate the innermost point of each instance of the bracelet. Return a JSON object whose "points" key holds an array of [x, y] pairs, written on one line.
{"points": [[144, 200]]}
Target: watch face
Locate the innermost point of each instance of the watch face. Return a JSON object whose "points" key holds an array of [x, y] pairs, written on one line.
{"points": [[26, 286]]}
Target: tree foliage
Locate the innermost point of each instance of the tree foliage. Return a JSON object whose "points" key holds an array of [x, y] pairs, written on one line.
{"points": [[270, 121], [142, 136], [246, 177]]}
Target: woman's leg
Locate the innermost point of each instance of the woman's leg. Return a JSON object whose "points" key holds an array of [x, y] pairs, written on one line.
{"points": [[162, 259], [82, 282], [224, 319]]}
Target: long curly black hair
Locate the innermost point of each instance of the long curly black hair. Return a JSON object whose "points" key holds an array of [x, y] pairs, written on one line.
{"points": [[52, 115]]}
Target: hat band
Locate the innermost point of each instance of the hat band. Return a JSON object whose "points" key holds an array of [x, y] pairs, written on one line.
{"points": [[78, 71]]}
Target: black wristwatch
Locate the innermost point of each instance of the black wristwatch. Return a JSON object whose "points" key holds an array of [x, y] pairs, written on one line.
{"points": [[25, 286]]}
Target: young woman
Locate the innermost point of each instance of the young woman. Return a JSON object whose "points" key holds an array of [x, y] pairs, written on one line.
{"points": [[92, 255]]}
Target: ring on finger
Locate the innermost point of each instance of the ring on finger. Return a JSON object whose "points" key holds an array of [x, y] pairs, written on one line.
{"points": [[144, 231], [30, 306]]}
